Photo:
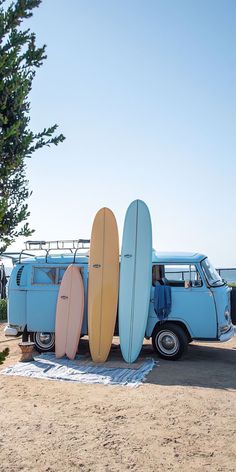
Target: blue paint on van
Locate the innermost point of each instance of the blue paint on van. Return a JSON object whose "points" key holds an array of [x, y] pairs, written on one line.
{"points": [[200, 299]]}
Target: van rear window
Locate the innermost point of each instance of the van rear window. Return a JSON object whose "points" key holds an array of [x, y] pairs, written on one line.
{"points": [[49, 275], [45, 275]]}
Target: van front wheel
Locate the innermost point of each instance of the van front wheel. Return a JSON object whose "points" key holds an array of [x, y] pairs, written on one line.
{"points": [[44, 342], [169, 341]]}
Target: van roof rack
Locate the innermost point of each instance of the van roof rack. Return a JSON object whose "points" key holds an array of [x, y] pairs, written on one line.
{"points": [[60, 244], [71, 245]]}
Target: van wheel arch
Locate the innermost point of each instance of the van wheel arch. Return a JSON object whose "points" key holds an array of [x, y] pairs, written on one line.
{"points": [[178, 323]]}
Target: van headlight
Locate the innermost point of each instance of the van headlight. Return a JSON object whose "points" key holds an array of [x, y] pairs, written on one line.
{"points": [[224, 329]]}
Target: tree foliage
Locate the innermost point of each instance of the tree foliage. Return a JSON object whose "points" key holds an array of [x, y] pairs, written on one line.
{"points": [[19, 60]]}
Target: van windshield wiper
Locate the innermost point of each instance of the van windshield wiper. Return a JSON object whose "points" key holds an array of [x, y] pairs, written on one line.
{"points": [[217, 281]]}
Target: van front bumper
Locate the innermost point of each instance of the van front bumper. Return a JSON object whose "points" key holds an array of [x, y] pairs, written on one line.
{"points": [[228, 335]]}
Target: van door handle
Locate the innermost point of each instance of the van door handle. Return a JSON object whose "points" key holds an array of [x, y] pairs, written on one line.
{"points": [[64, 297]]}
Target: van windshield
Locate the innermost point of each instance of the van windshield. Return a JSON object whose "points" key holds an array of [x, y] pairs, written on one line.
{"points": [[211, 274]]}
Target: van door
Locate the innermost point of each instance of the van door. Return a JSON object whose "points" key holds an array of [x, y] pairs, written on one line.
{"points": [[42, 298], [194, 305]]}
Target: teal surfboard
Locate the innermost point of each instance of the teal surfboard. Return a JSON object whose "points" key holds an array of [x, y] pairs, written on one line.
{"points": [[135, 279]]}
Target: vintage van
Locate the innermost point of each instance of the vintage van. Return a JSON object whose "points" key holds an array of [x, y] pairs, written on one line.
{"points": [[200, 307]]}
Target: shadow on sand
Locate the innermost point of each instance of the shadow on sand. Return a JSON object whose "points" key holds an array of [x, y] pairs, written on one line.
{"points": [[205, 366]]}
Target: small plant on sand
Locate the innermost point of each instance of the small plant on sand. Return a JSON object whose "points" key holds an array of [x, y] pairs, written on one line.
{"points": [[3, 355]]}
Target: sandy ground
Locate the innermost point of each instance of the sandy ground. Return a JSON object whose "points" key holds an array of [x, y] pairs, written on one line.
{"points": [[183, 418]]}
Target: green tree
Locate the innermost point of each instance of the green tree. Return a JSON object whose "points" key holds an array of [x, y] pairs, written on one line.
{"points": [[19, 60]]}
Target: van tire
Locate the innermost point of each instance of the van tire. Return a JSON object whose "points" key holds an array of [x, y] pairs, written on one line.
{"points": [[40, 344], [169, 341]]}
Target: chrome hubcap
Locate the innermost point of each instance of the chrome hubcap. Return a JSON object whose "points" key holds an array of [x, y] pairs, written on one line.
{"points": [[45, 340], [167, 342]]}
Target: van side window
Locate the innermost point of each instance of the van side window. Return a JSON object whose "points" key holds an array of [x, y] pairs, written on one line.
{"points": [[61, 273], [175, 275], [49, 275], [45, 275]]}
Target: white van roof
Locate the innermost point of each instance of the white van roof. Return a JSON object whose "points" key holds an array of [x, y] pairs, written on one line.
{"points": [[177, 257]]}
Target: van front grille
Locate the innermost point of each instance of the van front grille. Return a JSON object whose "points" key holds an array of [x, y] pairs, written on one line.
{"points": [[18, 275]]}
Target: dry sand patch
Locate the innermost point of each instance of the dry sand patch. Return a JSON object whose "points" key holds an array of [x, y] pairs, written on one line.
{"points": [[183, 418]]}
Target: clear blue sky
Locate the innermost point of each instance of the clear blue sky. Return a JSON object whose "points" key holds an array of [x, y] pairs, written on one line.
{"points": [[145, 93]]}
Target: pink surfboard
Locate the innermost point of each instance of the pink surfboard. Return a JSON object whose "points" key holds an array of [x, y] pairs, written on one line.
{"points": [[69, 313]]}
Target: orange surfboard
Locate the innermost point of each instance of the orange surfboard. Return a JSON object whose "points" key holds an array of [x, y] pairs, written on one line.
{"points": [[69, 313], [103, 284]]}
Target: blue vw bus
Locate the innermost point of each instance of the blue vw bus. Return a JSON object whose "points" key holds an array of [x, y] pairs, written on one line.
{"points": [[200, 308]]}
